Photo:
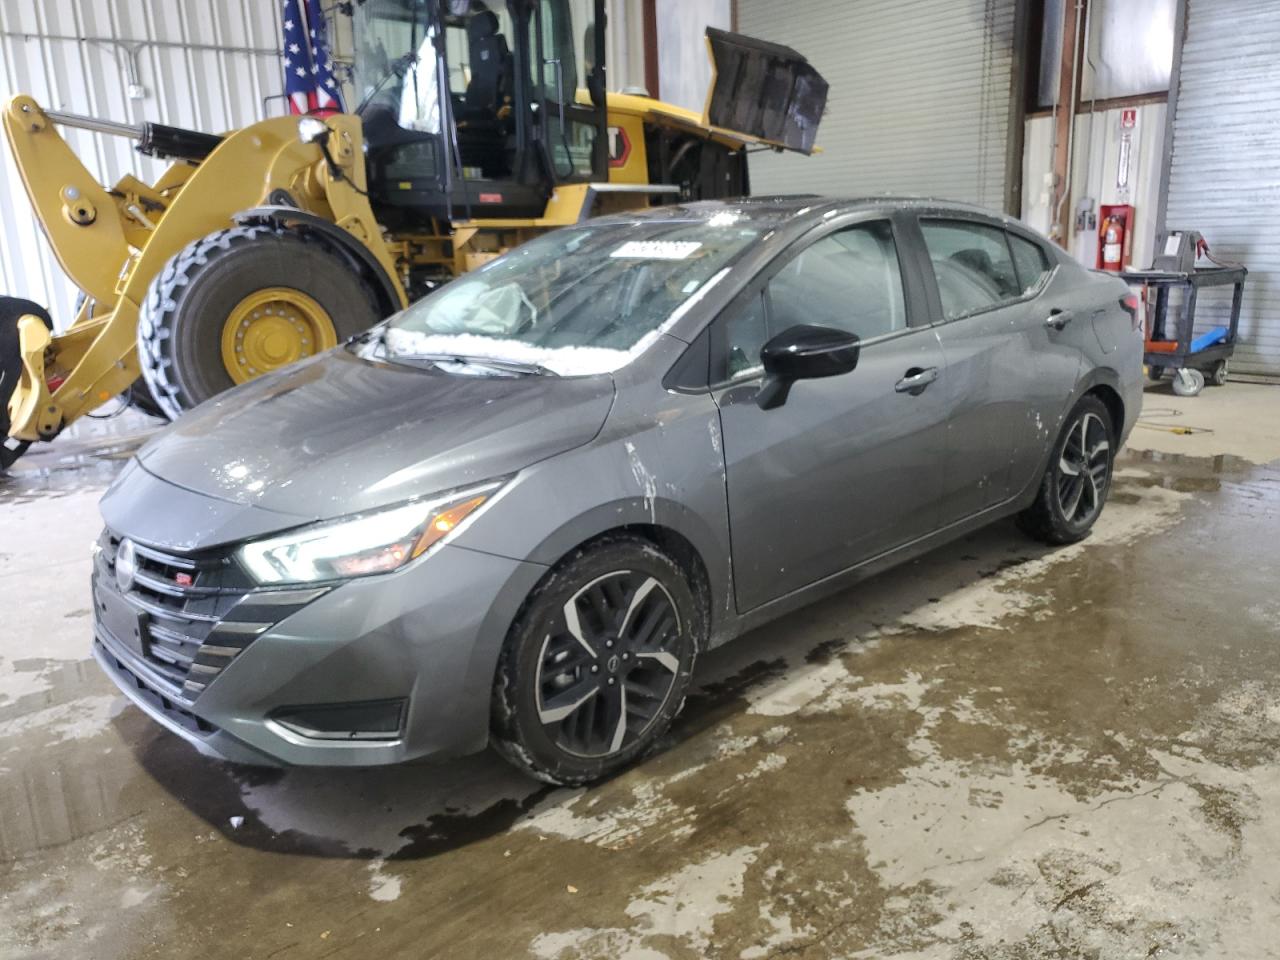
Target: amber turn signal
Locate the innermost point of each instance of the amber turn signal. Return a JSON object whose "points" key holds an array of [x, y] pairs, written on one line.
{"points": [[444, 522]]}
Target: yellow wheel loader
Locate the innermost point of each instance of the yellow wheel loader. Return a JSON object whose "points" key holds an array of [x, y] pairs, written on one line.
{"points": [[476, 129]]}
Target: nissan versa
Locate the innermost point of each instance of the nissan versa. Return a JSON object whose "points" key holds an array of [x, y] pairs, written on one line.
{"points": [[518, 510]]}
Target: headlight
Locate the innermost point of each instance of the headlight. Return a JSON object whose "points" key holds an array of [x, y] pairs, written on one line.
{"points": [[359, 546]]}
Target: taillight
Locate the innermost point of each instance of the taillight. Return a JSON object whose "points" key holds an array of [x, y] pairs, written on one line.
{"points": [[1133, 306]]}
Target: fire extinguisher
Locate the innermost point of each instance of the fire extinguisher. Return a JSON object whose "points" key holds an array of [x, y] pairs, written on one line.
{"points": [[1112, 243]]}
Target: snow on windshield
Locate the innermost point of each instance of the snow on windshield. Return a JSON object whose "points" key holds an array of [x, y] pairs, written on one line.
{"points": [[578, 301]]}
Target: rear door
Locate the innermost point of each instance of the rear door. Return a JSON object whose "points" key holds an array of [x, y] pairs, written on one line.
{"points": [[849, 466], [1008, 372]]}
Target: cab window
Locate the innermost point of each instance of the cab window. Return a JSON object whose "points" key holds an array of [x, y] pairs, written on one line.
{"points": [[570, 137]]}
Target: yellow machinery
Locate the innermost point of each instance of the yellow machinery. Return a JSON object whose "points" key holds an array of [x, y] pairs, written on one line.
{"points": [[276, 241]]}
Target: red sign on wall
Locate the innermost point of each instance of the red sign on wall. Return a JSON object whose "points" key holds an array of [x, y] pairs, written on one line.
{"points": [[1128, 118]]}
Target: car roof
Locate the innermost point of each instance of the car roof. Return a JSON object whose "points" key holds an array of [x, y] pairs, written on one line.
{"points": [[800, 207]]}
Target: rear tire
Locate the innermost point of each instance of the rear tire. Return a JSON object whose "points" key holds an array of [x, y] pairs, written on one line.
{"points": [[597, 664], [11, 309], [182, 323], [1078, 478]]}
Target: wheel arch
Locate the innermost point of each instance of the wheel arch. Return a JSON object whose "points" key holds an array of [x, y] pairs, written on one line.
{"points": [[663, 536], [681, 549], [1102, 382], [1114, 403], [360, 258]]}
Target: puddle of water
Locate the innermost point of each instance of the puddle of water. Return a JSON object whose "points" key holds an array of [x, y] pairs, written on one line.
{"points": [[86, 456], [901, 686]]}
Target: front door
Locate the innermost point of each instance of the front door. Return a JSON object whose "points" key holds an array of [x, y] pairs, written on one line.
{"points": [[849, 466]]}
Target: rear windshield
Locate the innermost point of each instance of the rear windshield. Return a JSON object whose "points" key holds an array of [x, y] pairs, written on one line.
{"points": [[579, 300]]}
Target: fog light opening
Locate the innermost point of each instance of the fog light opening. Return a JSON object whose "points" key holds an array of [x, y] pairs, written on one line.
{"points": [[366, 720]]}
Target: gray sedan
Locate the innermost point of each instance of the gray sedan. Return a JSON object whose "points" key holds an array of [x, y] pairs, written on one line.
{"points": [[516, 512]]}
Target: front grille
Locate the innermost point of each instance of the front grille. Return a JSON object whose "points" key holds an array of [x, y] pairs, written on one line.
{"points": [[171, 708], [201, 612]]}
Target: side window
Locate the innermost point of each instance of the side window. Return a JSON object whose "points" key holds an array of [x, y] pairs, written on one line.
{"points": [[849, 280], [1033, 265], [972, 264], [745, 332]]}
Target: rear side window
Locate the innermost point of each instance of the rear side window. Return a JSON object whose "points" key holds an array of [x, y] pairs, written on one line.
{"points": [[972, 264], [849, 280], [1030, 261]]}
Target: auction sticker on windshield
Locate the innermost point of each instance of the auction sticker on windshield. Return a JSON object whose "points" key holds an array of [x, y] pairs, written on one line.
{"points": [[657, 249]]}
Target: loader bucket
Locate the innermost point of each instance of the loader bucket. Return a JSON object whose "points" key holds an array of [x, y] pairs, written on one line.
{"points": [[765, 90]]}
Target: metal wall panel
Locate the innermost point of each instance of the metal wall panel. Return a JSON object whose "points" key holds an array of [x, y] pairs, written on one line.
{"points": [[920, 97], [1224, 172], [1096, 145], [48, 49]]}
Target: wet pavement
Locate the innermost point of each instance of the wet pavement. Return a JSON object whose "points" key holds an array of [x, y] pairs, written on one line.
{"points": [[996, 751]]}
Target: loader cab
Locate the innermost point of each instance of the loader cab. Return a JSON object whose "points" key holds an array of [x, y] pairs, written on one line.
{"points": [[470, 108]]}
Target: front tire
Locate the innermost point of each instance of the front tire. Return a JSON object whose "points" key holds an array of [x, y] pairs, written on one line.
{"points": [[240, 303], [597, 664], [1078, 478]]}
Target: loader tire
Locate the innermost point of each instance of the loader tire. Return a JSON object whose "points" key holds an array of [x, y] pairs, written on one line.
{"points": [[139, 397], [182, 322], [11, 310]]}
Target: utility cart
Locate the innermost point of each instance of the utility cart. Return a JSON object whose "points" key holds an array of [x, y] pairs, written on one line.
{"points": [[1193, 358]]}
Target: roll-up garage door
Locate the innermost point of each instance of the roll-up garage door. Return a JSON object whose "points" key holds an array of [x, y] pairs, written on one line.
{"points": [[920, 102], [1224, 171]]}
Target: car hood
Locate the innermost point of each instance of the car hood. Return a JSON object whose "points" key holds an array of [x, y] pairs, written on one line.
{"points": [[340, 434]]}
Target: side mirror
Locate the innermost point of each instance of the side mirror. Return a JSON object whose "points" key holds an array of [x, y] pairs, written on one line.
{"points": [[804, 352]]}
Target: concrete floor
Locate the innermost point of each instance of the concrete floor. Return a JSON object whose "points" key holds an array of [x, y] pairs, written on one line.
{"points": [[997, 751]]}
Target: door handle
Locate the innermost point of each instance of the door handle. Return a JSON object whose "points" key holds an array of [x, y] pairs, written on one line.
{"points": [[1058, 318], [916, 380]]}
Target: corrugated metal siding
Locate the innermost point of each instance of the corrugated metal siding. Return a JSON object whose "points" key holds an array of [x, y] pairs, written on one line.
{"points": [[1224, 175], [211, 90], [920, 96]]}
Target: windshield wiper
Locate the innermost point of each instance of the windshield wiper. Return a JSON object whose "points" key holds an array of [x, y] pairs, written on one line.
{"points": [[444, 360]]}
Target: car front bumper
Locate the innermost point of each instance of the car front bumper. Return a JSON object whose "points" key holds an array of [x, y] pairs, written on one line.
{"points": [[221, 671]]}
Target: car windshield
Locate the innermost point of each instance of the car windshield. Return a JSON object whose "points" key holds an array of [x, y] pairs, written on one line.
{"points": [[576, 301]]}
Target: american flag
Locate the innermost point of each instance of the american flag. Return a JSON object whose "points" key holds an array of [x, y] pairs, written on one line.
{"points": [[309, 83]]}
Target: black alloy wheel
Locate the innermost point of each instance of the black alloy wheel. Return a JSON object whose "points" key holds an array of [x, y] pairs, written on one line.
{"points": [[1076, 482], [597, 666], [606, 667], [1084, 468]]}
